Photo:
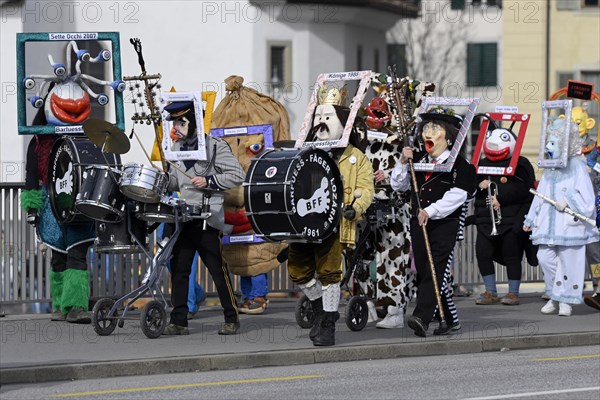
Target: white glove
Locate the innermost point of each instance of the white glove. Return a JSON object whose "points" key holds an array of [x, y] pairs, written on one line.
{"points": [[561, 205]]}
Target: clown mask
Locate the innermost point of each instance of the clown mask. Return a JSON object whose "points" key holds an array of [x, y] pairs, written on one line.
{"points": [[434, 137], [327, 125], [499, 144], [67, 104]]}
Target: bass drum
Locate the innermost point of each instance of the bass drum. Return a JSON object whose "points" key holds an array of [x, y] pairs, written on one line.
{"points": [[68, 160], [294, 195]]}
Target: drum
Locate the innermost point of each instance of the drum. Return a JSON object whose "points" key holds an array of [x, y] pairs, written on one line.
{"points": [[68, 160], [294, 195], [100, 197], [164, 211], [115, 237], [143, 183]]}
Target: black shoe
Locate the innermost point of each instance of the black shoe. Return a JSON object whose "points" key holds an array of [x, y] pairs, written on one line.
{"points": [[229, 328], [173, 330], [442, 330], [78, 316], [326, 336], [592, 300], [417, 325]]}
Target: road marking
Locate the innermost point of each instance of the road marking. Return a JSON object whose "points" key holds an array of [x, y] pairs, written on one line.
{"points": [[514, 395], [567, 358], [188, 385]]}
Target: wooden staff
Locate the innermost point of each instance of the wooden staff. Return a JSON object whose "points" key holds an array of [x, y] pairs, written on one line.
{"points": [[404, 127]]}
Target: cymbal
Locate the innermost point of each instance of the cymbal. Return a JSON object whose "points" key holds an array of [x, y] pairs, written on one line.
{"points": [[106, 136]]}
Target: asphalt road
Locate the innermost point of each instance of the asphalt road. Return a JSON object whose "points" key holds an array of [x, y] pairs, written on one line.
{"points": [[561, 373]]}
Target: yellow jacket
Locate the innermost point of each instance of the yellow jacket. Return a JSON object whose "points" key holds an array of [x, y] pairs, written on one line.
{"points": [[357, 173]]}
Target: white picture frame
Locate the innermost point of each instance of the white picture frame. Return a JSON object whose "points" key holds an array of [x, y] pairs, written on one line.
{"points": [[167, 143], [430, 102], [364, 78], [547, 106]]}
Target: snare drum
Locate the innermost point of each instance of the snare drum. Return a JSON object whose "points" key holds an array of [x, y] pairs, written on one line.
{"points": [[156, 212], [294, 195], [143, 183], [100, 198], [115, 237], [164, 211], [68, 160]]}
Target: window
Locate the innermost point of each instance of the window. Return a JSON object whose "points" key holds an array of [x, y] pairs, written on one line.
{"points": [[359, 58], [457, 4], [376, 61], [591, 3], [397, 56], [482, 64], [563, 79], [280, 63]]}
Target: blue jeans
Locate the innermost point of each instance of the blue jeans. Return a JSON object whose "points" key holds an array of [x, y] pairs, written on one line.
{"points": [[254, 286]]}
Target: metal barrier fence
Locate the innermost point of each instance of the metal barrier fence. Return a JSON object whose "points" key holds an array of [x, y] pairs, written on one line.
{"points": [[26, 265]]}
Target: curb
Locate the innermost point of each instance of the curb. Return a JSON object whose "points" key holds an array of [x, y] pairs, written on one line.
{"points": [[281, 358]]}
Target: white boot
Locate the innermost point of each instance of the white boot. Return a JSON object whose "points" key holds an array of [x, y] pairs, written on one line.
{"points": [[372, 312], [393, 319], [549, 308]]}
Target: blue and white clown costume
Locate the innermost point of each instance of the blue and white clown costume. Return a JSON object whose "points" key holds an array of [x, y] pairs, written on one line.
{"points": [[560, 237]]}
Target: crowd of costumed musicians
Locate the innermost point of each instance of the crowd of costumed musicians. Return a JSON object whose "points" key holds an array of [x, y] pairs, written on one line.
{"points": [[366, 203]]}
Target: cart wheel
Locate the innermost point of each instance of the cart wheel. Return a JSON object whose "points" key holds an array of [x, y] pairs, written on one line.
{"points": [[153, 319], [103, 323], [305, 316], [357, 313]]}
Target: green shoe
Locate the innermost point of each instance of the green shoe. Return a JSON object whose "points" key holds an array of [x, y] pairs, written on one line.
{"points": [[172, 330], [229, 328]]}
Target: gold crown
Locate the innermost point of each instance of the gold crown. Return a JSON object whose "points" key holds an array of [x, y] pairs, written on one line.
{"points": [[333, 96]]}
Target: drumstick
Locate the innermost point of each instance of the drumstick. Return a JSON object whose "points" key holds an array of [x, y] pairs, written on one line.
{"points": [[179, 169], [143, 149]]}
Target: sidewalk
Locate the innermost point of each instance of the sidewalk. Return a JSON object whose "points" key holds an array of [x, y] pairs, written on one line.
{"points": [[34, 349]]}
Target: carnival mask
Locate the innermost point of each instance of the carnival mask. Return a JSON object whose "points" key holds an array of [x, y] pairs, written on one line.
{"points": [[553, 146], [327, 125], [67, 104], [378, 113], [434, 137], [499, 144]]}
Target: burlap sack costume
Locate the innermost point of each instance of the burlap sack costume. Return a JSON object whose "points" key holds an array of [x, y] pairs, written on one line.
{"points": [[244, 106]]}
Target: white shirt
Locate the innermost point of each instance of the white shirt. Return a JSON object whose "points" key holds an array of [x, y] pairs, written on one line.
{"points": [[452, 199]]}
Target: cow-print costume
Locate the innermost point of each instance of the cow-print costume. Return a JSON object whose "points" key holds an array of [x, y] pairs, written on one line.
{"points": [[389, 243]]}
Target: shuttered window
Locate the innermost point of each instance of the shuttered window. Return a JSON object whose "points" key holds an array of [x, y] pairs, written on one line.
{"points": [[482, 64]]}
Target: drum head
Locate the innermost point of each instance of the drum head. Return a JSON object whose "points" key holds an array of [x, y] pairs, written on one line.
{"points": [[68, 158], [298, 192]]}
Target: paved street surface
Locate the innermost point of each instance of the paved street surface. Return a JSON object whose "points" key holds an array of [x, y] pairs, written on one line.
{"points": [[34, 349], [551, 373]]}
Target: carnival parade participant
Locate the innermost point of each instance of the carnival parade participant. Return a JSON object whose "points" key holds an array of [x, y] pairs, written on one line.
{"points": [[562, 238], [441, 197], [220, 171], [593, 161], [500, 236], [316, 268], [69, 243], [388, 245]]}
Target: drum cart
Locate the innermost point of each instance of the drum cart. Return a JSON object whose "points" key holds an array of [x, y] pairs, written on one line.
{"points": [[153, 317], [357, 312]]}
